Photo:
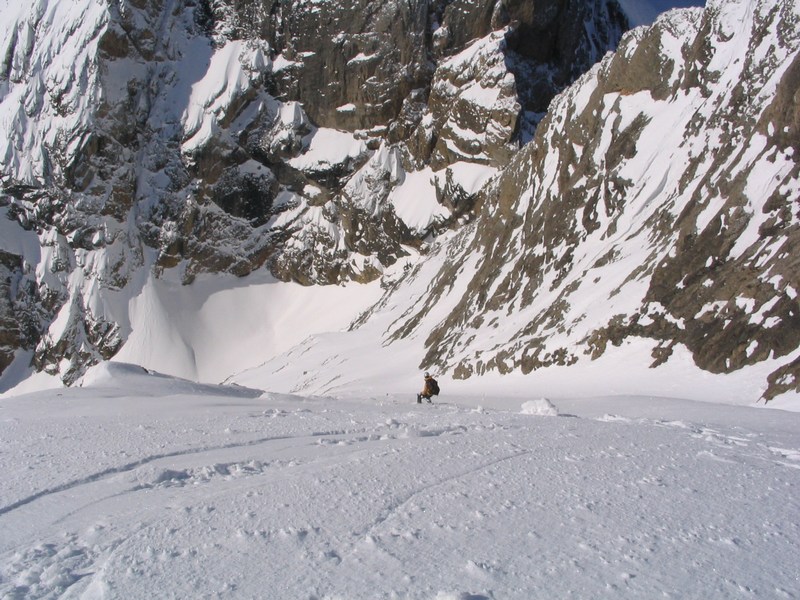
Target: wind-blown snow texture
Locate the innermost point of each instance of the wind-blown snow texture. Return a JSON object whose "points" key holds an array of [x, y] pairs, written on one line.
{"points": [[191, 491]]}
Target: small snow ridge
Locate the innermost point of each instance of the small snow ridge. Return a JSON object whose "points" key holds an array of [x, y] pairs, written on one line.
{"points": [[126, 376], [607, 418], [541, 407], [149, 478], [460, 596]]}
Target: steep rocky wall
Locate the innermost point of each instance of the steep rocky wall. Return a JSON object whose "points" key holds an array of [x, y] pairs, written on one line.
{"points": [[16, 332], [658, 200]]}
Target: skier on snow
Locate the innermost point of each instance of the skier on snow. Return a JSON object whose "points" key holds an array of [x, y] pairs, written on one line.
{"points": [[431, 388]]}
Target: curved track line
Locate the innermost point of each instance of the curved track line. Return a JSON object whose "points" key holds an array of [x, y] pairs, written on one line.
{"points": [[94, 477]]}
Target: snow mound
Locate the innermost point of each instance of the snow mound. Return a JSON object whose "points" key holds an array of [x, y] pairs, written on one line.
{"points": [[136, 379], [541, 407]]}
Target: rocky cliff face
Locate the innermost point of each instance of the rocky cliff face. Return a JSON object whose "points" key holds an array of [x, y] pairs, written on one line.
{"points": [[203, 136], [658, 200]]}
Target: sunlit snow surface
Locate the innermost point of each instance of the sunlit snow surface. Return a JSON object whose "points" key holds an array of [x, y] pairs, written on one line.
{"points": [[143, 486]]}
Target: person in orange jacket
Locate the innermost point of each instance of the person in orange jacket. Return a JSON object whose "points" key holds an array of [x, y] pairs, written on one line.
{"points": [[431, 388]]}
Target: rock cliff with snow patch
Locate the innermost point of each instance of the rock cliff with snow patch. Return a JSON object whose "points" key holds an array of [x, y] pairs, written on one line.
{"points": [[658, 200]]}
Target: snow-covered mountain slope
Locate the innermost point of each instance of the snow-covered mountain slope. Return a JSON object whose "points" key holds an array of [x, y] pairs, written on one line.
{"points": [[657, 202], [183, 491]]}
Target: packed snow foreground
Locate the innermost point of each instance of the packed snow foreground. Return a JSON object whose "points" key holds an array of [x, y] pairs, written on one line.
{"points": [[139, 485]]}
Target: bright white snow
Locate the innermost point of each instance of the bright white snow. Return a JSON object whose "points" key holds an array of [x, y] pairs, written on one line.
{"points": [[52, 75], [139, 485], [231, 72], [220, 325], [326, 147]]}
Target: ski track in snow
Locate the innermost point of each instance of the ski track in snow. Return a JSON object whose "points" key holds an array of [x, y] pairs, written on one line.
{"points": [[319, 498]]}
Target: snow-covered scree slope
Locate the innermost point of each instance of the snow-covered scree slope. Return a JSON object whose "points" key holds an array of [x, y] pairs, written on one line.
{"points": [[657, 201], [191, 492]]}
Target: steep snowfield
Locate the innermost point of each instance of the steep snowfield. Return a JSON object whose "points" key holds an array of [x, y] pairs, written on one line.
{"points": [[221, 325], [139, 485]]}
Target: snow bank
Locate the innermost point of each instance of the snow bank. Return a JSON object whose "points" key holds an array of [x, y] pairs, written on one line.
{"points": [[541, 407], [222, 325], [414, 200], [142, 382], [232, 70], [327, 147]]}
